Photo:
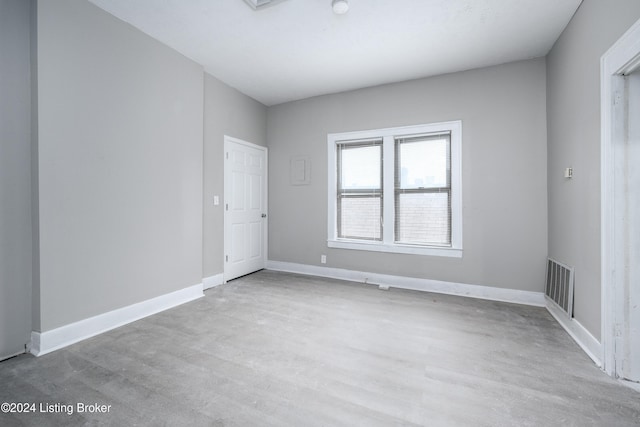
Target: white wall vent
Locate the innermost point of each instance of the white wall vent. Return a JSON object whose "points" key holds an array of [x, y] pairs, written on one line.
{"points": [[261, 4], [559, 286]]}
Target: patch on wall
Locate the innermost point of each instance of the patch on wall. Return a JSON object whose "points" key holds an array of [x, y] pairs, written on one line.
{"points": [[300, 170]]}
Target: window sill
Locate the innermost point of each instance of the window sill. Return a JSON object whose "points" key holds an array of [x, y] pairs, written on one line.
{"points": [[395, 248]]}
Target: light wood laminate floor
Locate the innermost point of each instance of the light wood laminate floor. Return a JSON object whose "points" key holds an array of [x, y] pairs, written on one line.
{"points": [[275, 349]]}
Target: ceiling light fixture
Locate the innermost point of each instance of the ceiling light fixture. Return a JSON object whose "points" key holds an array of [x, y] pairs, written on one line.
{"points": [[340, 7], [261, 4]]}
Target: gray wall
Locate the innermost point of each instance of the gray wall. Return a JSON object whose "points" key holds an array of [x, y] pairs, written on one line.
{"points": [[120, 121], [504, 175], [573, 116], [226, 112], [15, 177]]}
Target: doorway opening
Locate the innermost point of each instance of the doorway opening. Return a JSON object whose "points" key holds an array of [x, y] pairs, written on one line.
{"points": [[620, 180]]}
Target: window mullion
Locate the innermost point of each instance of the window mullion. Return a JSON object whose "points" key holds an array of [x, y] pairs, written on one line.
{"points": [[388, 189]]}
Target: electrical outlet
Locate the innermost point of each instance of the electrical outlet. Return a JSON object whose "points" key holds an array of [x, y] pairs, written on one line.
{"points": [[323, 259]]}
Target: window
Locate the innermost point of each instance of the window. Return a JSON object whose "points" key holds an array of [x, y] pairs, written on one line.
{"points": [[397, 190], [359, 195], [423, 190]]}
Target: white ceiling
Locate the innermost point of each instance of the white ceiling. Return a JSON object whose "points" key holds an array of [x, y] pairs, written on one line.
{"points": [[299, 48]]}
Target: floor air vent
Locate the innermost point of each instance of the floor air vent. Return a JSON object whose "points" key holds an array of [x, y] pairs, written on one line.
{"points": [[559, 287]]}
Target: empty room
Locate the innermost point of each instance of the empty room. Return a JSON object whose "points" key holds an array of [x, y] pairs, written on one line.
{"points": [[319, 212]]}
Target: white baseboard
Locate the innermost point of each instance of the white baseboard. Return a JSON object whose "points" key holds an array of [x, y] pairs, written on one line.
{"points": [[48, 341], [427, 285], [587, 342], [213, 281]]}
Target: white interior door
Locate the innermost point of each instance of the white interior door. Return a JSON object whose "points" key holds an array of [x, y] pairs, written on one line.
{"points": [[245, 225]]}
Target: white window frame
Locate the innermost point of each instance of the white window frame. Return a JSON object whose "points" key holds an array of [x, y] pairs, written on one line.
{"points": [[388, 136]]}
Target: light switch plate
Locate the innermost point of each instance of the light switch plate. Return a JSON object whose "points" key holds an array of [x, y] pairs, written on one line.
{"points": [[568, 173]]}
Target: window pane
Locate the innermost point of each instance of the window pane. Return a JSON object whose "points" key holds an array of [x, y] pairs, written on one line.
{"points": [[423, 163], [423, 218], [359, 218], [360, 167]]}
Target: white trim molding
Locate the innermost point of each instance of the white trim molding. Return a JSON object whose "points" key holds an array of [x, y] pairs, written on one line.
{"points": [[386, 138], [213, 281], [413, 283], [623, 57], [48, 341], [587, 342], [397, 248]]}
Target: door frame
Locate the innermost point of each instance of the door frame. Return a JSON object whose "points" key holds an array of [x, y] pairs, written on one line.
{"points": [[622, 58], [228, 140]]}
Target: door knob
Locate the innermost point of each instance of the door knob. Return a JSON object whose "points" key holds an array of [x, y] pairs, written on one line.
{"points": [[264, 215]]}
